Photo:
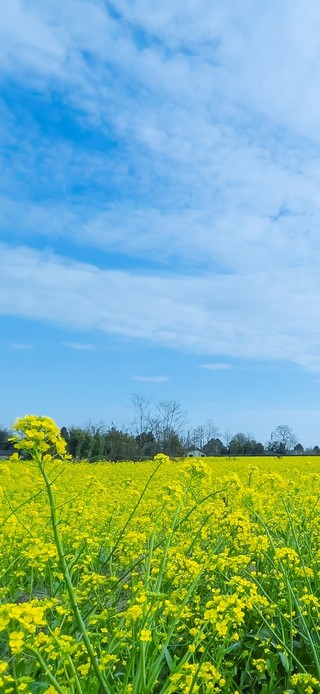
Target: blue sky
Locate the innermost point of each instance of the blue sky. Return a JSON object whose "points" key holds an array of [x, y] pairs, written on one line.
{"points": [[160, 211]]}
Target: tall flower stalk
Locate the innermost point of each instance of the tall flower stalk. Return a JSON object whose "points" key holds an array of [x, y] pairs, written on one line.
{"points": [[41, 439]]}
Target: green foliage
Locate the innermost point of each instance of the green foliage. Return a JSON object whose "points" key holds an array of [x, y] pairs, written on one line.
{"points": [[4, 439], [214, 447], [196, 577], [95, 444], [241, 444]]}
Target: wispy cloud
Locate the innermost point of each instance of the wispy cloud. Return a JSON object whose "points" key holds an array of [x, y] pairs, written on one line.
{"points": [[213, 314], [210, 133], [151, 379], [215, 366], [82, 346], [183, 102], [21, 345]]}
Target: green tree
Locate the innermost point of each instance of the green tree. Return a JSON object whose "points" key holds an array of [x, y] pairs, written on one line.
{"points": [[147, 444], [4, 436], [214, 447], [79, 443], [242, 444], [119, 445]]}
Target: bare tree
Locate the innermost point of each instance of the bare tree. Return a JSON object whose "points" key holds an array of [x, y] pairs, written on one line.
{"points": [[284, 437], [167, 421], [141, 408], [211, 430], [227, 436], [200, 435], [172, 415]]}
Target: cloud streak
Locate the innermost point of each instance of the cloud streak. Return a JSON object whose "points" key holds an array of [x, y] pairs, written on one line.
{"points": [[80, 346], [151, 379], [262, 316], [21, 346], [216, 366]]}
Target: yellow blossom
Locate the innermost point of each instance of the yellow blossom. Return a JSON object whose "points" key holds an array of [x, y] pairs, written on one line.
{"points": [[145, 635], [16, 639]]}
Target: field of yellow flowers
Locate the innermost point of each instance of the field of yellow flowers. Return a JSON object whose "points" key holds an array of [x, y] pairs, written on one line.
{"points": [[159, 577]]}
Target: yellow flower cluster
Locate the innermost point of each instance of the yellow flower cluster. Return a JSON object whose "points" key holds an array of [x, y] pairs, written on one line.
{"points": [[305, 683], [38, 433], [200, 678], [205, 580]]}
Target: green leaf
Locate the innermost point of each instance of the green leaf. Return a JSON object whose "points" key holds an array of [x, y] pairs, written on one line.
{"points": [[168, 657], [285, 661]]}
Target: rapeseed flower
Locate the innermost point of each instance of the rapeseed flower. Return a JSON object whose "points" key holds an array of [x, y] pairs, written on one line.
{"points": [[16, 641], [200, 574]]}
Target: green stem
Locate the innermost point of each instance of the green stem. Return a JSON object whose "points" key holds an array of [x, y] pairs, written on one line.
{"points": [[45, 668], [132, 513], [143, 666], [14, 672], [75, 674], [67, 577]]}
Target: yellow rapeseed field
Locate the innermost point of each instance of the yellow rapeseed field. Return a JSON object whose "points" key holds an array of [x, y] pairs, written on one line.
{"points": [[168, 576]]}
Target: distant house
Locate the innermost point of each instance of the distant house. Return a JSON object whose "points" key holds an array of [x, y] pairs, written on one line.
{"points": [[195, 453]]}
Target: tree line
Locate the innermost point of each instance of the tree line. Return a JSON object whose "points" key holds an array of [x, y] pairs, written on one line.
{"points": [[161, 427]]}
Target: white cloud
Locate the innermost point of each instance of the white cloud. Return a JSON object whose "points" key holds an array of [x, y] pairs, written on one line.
{"points": [[266, 315], [215, 366], [82, 346], [151, 379], [264, 58], [215, 109], [221, 127], [26, 38], [21, 345], [46, 40]]}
